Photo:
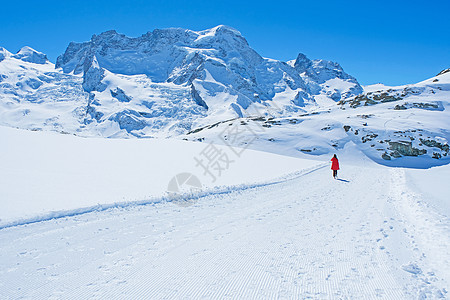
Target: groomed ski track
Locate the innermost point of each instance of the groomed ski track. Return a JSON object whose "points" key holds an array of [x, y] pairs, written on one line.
{"points": [[363, 237]]}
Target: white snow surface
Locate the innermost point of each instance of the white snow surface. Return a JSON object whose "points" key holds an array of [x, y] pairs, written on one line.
{"points": [[88, 210], [46, 174], [370, 234]]}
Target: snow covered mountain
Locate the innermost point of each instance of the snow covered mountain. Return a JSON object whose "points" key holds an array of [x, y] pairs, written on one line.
{"points": [[397, 126], [218, 60], [170, 81], [197, 84], [35, 96]]}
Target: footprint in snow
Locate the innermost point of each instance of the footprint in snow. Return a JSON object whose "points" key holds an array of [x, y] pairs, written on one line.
{"points": [[412, 268]]}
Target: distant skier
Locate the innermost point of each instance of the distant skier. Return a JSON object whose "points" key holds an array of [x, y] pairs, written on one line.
{"points": [[334, 166]]}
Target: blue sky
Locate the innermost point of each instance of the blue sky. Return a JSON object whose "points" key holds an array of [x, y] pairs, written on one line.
{"points": [[393, 42]]}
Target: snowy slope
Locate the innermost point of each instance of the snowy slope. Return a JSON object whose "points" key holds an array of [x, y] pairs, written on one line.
{"points": [[362, 237], [34, 96], [91, 218], [397, 126], [45, 174]]}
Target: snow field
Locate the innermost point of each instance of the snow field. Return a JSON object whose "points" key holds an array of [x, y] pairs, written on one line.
{"points": [[45, 175], [308, 236]]}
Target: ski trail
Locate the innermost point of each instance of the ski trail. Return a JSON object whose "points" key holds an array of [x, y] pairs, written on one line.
{"points": [[306, 237], [427, 233]]}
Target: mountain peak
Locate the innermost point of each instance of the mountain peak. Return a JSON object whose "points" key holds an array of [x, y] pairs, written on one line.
{"points": [[26, 49], [4, 53], [225, 29], [107, 35], [222, 31], [444, 71], [109, 32], [302, 63], [140, 55], [28, 54], [215, 58]]}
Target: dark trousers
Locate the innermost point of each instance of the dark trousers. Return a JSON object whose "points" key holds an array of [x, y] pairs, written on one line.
{"points": [[334, 173]]}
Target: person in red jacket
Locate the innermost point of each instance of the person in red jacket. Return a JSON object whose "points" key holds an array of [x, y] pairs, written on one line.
{"points": [[334, 165]]}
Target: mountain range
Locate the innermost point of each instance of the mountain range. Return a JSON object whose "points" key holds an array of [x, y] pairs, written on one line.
{"points": [[198, 85]]}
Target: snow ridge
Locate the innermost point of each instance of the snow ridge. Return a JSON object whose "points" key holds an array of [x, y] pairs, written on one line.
{"points": [[182, 199]]}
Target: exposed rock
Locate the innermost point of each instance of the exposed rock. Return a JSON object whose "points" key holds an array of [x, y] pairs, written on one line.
{"points": [[372, 98], [93, 76], [196, 96], [128, 120], [385, 156], [443, 72], [436, 155], [404, 148], [368, 137], [33, 83], [302, 63], [422, 105], [300, 98], [120, 95], [433, 143], [400, 107]]}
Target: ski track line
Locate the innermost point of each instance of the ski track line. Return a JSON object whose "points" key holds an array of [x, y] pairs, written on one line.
{"points": [[428, 234], [164, 199]]}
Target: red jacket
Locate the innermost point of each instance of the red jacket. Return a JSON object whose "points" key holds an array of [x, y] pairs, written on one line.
{"points": [[334, 164]]}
